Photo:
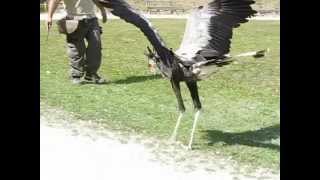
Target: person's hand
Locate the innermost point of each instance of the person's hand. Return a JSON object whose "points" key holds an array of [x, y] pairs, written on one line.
{"points": [[49, 23]]}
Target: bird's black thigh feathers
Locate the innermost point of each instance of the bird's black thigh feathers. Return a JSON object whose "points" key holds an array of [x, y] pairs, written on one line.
{"points": [[193, 88], [176, 88]]}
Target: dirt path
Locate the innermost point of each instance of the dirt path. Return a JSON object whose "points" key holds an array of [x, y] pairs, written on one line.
{"points": [[72, 149]]}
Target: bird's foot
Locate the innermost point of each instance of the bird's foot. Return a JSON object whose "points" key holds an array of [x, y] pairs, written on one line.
{"points": [[185, 147], [196, 117], [173, 139]]}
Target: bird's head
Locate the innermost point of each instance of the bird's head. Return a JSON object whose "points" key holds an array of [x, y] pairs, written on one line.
{"points": [[180, 67], [152, 55], [153, 58], [155, 62]]}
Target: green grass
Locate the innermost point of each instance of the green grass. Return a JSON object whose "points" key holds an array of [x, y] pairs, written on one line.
{"points": [[240, 102]]}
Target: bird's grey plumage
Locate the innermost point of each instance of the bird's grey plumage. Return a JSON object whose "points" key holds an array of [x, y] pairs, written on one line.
{"points": [[206, 41], [196, 34], [209, 28]]}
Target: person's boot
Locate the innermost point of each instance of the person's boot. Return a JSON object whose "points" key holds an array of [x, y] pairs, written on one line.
{"points": [[76, 80], [95, 79]]}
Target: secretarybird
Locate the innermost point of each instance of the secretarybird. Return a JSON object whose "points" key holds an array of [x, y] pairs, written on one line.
{"points": [[204, 47]]}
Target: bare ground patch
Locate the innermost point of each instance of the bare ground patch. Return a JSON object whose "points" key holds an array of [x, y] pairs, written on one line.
{"points": [[160, 152]]}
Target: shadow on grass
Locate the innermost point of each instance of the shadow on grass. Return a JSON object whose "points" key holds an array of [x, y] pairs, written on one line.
{"points": [[136, 79], [258, 138]]}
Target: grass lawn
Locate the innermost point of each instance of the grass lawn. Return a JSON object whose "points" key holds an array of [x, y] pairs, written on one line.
{"points": [[241, 116]]}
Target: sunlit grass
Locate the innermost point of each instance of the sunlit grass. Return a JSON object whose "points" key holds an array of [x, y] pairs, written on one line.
{"points": [[240, 102]]}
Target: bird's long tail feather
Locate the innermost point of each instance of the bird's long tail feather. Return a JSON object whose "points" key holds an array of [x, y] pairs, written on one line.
{"points": [[255, 54], [205, 69]]}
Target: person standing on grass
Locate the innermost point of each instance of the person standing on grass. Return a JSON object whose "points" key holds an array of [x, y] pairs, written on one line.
{"points": [[85, 60]]}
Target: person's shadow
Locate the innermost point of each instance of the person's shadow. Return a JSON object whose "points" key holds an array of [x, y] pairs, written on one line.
{"points": [[256, 138], [137, 79]]}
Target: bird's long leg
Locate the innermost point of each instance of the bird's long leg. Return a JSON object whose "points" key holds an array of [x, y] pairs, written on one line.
{"points": [[174, 133], [176, 88], [193, 88], [196, 117]]}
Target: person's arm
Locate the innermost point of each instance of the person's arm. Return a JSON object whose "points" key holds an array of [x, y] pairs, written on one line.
{"points": [[102, 9], [52, 6]]}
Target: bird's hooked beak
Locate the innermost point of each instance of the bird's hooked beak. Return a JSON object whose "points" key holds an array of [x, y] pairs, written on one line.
{"points": [[149, 54]]}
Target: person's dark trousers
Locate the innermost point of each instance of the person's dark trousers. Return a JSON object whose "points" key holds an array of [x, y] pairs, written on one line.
{"points": [[85, 59]]}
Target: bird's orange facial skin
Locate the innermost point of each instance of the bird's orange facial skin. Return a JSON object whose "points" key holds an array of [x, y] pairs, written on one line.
{"points": [[152, 66]]}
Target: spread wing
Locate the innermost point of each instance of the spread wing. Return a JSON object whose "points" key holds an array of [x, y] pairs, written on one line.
{"points": [[123, 10], [209, 29]]}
